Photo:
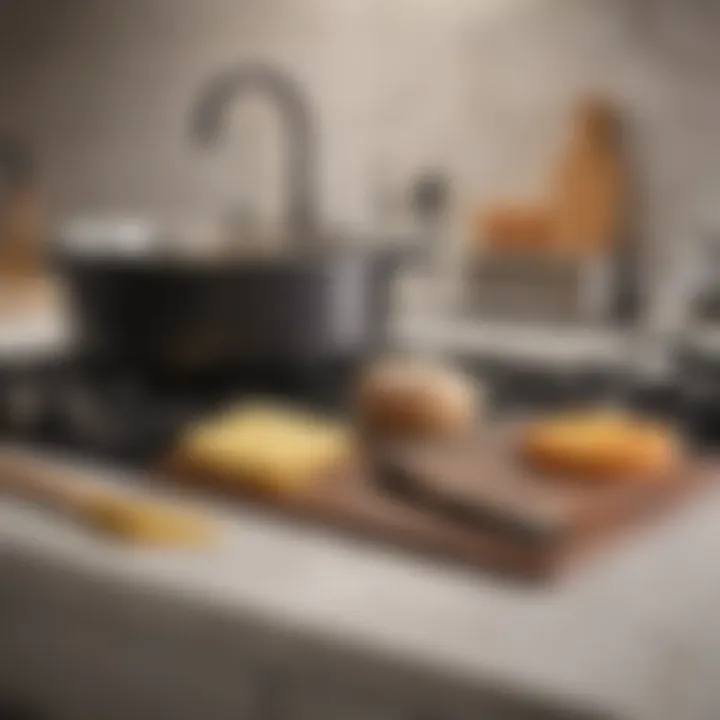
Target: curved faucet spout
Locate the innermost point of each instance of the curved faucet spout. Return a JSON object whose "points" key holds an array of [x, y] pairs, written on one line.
{"points": [[212, 106]]}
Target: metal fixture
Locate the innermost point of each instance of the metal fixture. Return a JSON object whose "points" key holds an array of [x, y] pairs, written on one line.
{"points": [[212, 106]]}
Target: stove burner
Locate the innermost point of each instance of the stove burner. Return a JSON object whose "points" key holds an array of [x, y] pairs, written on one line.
{"points": [[132, 415]]}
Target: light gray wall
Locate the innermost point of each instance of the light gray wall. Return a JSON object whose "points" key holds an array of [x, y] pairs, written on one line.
{"points": [[480, 86], [104, 89]]}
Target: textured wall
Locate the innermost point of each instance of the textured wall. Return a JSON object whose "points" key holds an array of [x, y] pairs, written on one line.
{"points": [[103, 88], [481, 87]]}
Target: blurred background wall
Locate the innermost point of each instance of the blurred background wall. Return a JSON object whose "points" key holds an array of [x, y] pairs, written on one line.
{"points": [[101, 88]]}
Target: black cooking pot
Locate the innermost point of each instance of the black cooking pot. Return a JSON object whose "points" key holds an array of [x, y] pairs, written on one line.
{"points": [[185, 316], [313, 302]]}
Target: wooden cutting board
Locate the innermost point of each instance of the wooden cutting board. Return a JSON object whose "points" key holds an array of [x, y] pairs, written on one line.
{"points": [[473, 504]]}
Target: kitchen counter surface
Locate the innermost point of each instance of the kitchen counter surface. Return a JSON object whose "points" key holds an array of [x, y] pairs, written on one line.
{"points": [[544, 345], [634, 635], [34, 333]]}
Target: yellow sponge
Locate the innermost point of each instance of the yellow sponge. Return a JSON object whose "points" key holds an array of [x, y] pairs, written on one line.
{"points": [[268, 446]]}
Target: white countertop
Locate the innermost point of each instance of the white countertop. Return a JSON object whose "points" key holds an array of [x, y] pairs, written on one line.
{"points": [[33, 337], [34, 323], [545, 345], [636, 634]]}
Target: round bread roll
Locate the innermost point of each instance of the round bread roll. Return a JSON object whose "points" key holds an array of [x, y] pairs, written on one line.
{"points": [[601, 446], [413, 399]]}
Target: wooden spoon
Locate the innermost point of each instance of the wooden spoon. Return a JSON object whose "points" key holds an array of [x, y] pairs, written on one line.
{"points": [[111, 511]]}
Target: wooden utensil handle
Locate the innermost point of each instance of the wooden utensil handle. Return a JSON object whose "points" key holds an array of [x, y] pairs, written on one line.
{"points": [[39, 481]]}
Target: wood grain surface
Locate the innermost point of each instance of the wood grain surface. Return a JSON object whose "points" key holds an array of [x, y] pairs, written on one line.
{"points": [[552, 525]]}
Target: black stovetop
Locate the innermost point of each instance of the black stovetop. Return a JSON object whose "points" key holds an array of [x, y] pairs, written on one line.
{"points": [[134, 415]]}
